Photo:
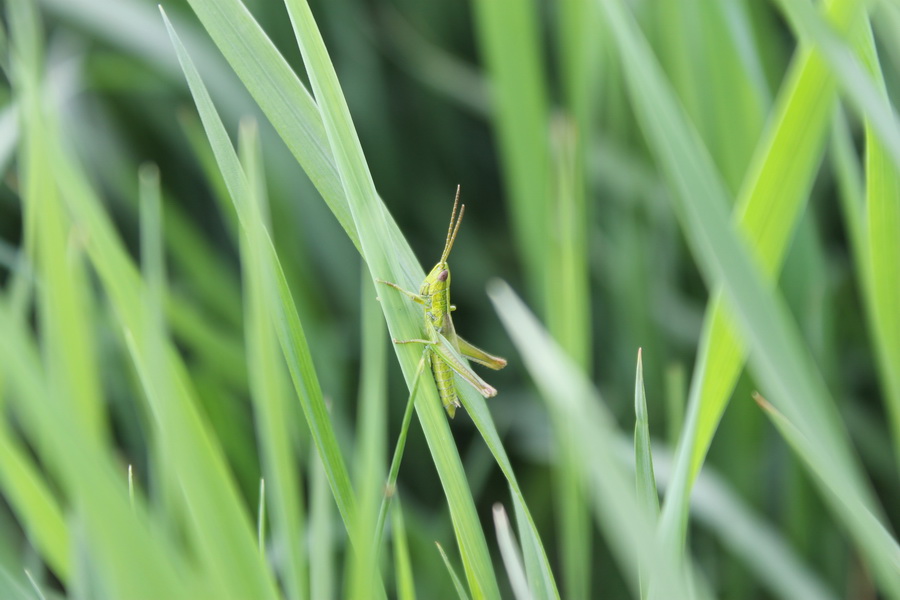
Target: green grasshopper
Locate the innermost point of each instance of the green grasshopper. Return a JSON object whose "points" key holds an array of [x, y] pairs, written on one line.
{"points": [[444, 349]]}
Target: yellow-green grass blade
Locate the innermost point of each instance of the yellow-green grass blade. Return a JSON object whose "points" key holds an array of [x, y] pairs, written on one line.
{"points": [[379, 248], [770, 202], [542, 169], [403, 574], [220, 525], [509, 38], [629, 529], [138, 562], [33, 502], [322, 569], [863, 85], [567, 297], [268, 390], [281, 305], [541, 580], [65, 305], [643, 460], [781, 363], [280, 94], [371, 449]]}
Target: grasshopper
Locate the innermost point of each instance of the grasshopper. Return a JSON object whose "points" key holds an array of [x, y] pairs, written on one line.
{"points": [[444, 349]]}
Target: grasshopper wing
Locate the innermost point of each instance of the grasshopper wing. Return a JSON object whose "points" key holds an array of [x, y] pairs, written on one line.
{"points": [[445, 351]]}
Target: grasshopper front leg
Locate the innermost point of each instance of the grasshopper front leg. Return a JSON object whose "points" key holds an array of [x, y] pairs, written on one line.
{"points": [[417, 298]]}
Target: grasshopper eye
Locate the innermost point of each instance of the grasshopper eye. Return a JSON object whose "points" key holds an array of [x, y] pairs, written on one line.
{"points": [[443, 275]]}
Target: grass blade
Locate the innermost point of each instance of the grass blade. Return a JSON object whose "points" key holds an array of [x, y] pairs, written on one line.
{"points": [[267, 385], [376, 242], [281, 305], [780, 361]]}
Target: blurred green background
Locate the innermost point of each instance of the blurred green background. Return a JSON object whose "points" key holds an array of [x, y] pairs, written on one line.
{"points": [[531, 108]]}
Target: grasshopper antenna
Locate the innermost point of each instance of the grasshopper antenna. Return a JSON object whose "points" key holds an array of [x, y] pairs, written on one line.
{"points": [[454, 226]]}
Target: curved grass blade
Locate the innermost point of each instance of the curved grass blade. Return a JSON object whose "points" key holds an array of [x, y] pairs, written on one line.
{"points": [[372, 227], [287, 323], [778, 357]]}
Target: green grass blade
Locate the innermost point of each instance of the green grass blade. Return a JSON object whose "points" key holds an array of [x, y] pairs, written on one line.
{"points": [[780, 361], [268, 393], [511, 49], [509, 550], [64, 301], [371, 442], [287, 323], [281, 96], [540, 575], [322, 570], [380, 250], [138, 563], [567, 297], [629, 530], [161, 378], [457, 583], [760, 545], [403, 573], [868, 97], [34, 504], [883, 223], [770, 202], [643, 460]]}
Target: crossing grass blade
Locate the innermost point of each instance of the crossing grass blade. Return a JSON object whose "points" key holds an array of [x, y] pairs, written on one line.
{"points": [[629, 529], [278, 296], [780, 361], [376, 242], [267, 382], [769, 205]]}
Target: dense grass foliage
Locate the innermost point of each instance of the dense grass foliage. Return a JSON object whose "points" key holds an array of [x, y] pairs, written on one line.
{"points": [[682, 231]]}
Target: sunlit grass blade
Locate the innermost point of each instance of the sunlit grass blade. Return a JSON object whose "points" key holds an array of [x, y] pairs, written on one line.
{"points": [[863, 85], [403, 574], [36, 507], [567, 301], [280, 95], [139, 561], [643, 460], [511, 46], [770, 202], [278, 296], [509, 550], [780, 361], [65, 305], [268, 390], [388, 258], [629, 530]]}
